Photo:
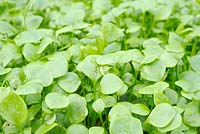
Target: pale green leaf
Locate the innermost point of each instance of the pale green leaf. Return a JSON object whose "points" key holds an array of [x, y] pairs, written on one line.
{"points": [[150, 89], [174, 124], [56, 100], [77, 110], [96, 130], [161, 115], [31, 87], [12, 107], [125, 124], [70, 82], [154, 71], [45, 128], [33, 21], [77, 129], [192, 115], [110, 83], [98, 106]]}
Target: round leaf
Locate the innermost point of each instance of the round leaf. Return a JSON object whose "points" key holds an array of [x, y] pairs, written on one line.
{"points": [[56, 100], [70, 82], [77, 129], [122, 90], [154, 71], [12, 107], [111, 32], [195, 63], [161, 115], [159, 97], [109, 101], [174, 124], [158, 86], [31, 87], [118, 110], [6, 27], [189, 81], [96, 130], [77, 110], [98, 106], [89, 67], [38, 71], [33, 21], [140, 109], [192, 115], [110, 83], [57, 66], [125, 124]]}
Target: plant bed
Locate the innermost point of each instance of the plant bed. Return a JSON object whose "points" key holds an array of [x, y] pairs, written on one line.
{"points": [[99, 67]]}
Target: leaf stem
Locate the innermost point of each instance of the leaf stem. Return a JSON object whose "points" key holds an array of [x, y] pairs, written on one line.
{"points": [[101, 119]]}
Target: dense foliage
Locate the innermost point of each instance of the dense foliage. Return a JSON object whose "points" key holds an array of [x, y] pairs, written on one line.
{"points": [[99, 66]]}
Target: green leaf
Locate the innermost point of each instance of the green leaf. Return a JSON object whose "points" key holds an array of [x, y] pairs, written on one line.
{"points": [[96, 130], [125, 124], [174, 124], [29, 52], [9, 128], [154, 71], [161, 115], [31, 87], [46, 41], [144, 5], [4, 70], [192, 115], [40, 4], [195, 63], [38, 71], [117, 111], [15, 77], [175, 43], [120, 57], [45, 128], [189, 81], [58, 66], [12, 107], [110, 83], [151, 52], [89, 67], [122, 90], [6, 28], [9, 53], [109, 101], [163, 12], [150, 89], [77, 129], [111, 32], [32, 36], [70, 82], [56, 100], [50, 118], [172, 95], [32, 111], [169, 59], [139, 109], [159, 98], [99, 7], [98, 106], [75, 13], [77, 110], [33, 22]]}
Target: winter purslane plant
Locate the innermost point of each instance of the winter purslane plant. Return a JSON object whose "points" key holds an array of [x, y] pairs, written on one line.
{"points": [[99, 67]]}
